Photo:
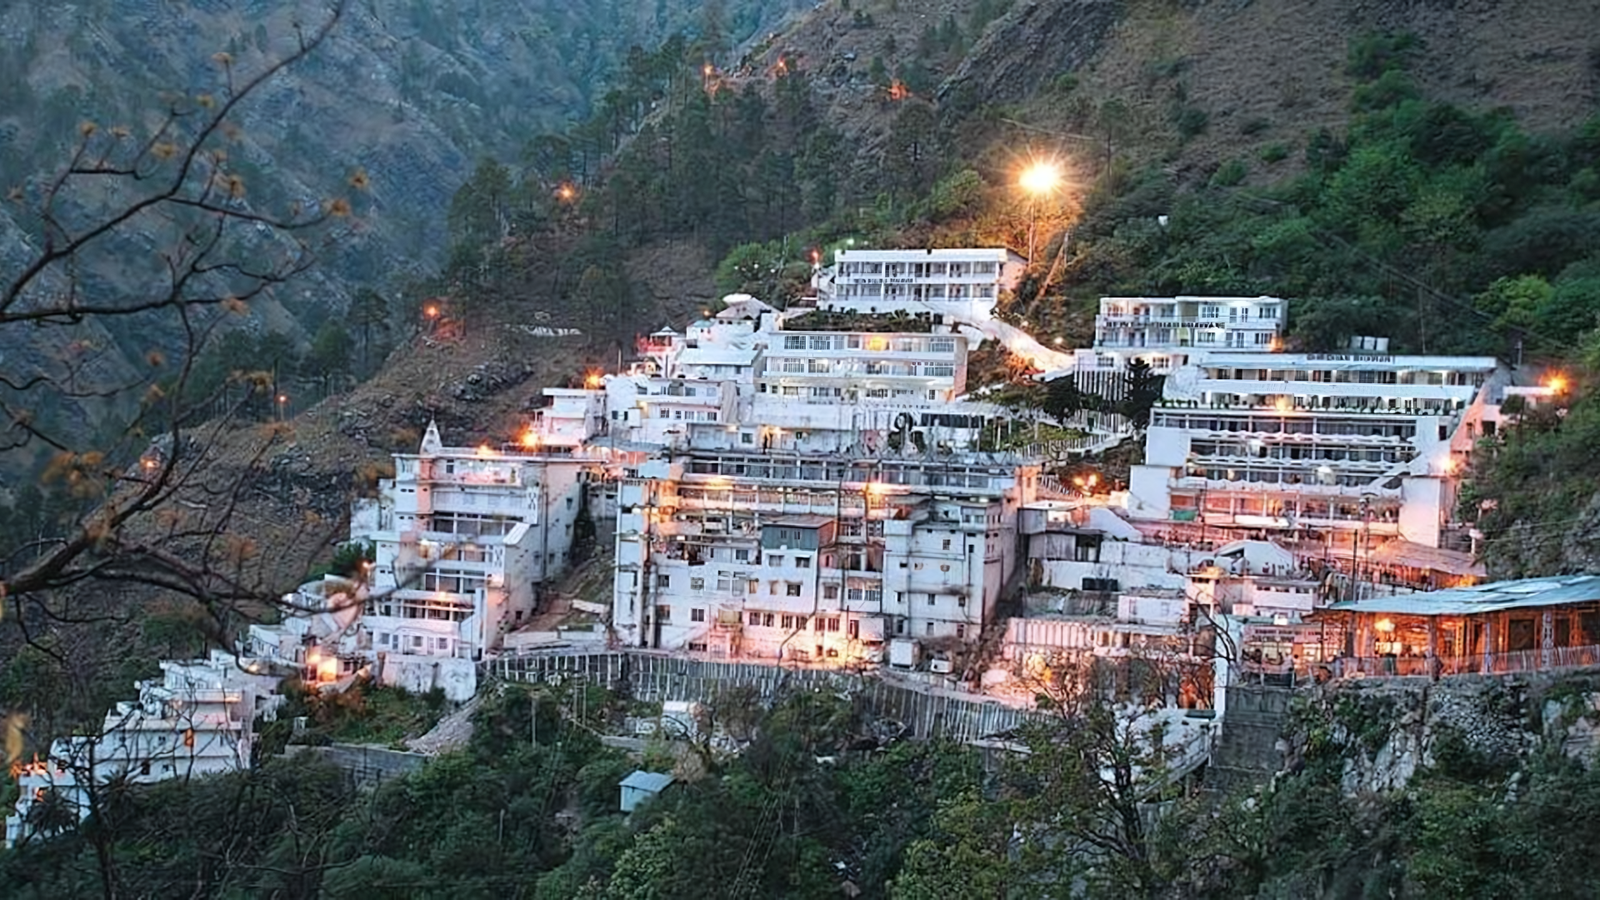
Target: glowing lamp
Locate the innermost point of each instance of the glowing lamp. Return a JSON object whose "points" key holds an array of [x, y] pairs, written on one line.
{"points": [[1557, 384], [1040, 178]]}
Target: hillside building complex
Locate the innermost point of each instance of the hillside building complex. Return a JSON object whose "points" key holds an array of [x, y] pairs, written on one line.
{"points": [[466, 539], [198, 719], [813, 556], [1342, 443]]}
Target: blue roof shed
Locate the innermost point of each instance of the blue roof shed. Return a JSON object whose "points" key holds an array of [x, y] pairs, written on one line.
{"points": [[641, 786]]}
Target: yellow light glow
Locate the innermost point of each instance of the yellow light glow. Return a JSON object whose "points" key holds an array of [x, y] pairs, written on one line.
{"points": [[877, 344], [1557, 384], [484, 450], [1383, 625], [1281, 404], [1447, 465], [592, 380], [530, 439], [1040, 178], [431, 312]]}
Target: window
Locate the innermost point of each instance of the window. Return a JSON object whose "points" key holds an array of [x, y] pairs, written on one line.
{"points": [[822, 342], [697, 647], [774, 559], [697, 584], [788, 623], [961, 632], [802, 562], [794, 342], [442, 643], [747, 438], [853, 629], [416, 641], [833, 623], [928, 629], [663, 614], [930, 599], [767, 619], [946, 544], [663, 580], [792, 589], [697, 614], [742, 554], [830, 592]]}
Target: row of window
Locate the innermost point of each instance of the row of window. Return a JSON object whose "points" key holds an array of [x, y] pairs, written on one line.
{"points": [[897, 292], [919, 269], [1268, 312], [1350, 376], [416, 642], [471, 524], [454, 581], [1266, 423], [1303, 451], [873, 342]]}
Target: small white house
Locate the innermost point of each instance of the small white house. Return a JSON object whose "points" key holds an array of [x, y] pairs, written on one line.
{"points": [[642, 786]]}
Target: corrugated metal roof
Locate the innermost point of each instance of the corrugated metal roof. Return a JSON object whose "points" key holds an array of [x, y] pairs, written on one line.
{"points": [[654, 782], [1527, 593]]}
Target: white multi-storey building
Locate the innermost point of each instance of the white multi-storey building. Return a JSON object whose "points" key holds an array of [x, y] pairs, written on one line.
{"points": [[964, 282], [1169, 332], [1329, 442], [197, 720], [465, 539], [810, 556], [1143, 325]]}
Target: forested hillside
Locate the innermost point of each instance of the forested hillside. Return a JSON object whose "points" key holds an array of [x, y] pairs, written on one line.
{"points": [[403, 98]]}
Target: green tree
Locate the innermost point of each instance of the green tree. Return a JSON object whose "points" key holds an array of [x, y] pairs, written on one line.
{"points": [[329, 359]]}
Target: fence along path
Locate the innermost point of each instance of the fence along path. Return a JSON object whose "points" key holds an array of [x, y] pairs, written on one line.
{"points": [[925, 713]]}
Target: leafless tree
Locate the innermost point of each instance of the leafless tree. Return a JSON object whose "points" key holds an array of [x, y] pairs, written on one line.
{"points": [[163, 515]]}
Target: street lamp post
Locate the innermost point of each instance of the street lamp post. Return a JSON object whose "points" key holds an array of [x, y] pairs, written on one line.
{"points": [[1037, 180]]}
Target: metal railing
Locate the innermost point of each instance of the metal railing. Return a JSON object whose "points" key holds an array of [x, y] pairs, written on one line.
{"points": [[1507, 663]]}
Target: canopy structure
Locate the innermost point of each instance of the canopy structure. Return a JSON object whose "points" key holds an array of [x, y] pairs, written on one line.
{"points": [[1411, 555], [1500, 596], [1534, 624]]}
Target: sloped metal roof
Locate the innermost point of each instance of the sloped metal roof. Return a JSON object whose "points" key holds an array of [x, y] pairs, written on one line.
{"points": [[1526, 593], [1401, 552], [653, 782]]}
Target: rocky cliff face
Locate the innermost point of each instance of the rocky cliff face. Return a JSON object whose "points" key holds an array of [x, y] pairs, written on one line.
{"points": [[1386, 730]]}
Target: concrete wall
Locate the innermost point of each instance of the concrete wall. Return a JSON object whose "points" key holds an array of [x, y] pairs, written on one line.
{"points": [[368, 766], [420, 674]]}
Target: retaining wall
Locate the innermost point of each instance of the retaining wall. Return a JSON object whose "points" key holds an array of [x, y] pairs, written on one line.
{"points": [[926, 713]]}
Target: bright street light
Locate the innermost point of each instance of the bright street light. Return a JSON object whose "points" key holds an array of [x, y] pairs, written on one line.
{"points": [[1040, 178]]}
